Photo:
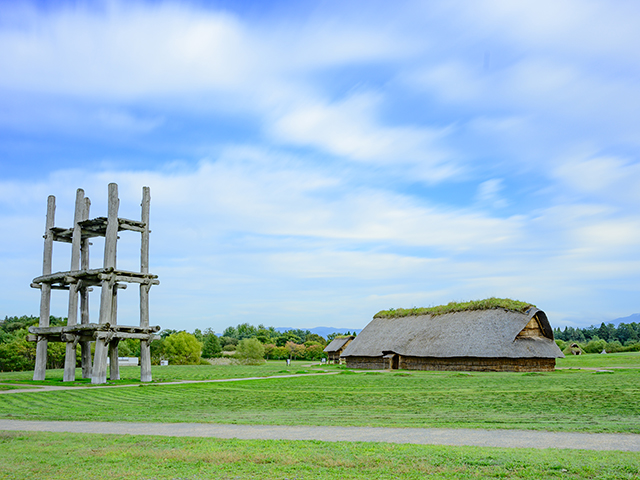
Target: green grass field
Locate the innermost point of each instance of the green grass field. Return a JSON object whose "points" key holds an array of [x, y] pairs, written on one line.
{"points": [[14, 387], [564, 400], [172, 373], [62, 456], [610, 360]]}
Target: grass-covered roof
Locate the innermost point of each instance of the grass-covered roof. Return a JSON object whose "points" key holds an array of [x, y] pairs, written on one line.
{"points": [[451, 307]]}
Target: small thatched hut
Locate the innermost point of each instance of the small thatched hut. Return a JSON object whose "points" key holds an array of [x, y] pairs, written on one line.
{"points": [[495, 339], [336, 347], [573, 349]]}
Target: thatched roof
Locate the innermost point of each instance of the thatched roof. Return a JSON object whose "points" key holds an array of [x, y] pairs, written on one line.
{"points": [[478, 333], [337, 343], [451, 307]]}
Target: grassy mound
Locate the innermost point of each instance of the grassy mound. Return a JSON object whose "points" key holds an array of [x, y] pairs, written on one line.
{"points": [[451, 307]]}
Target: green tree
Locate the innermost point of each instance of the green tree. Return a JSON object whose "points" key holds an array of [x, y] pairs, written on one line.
{"points": [[129, 347], [279, 353], [182, 348], [297, 335], [286, 337], [211, 347], [315, 352], [224, 341], [295, 350], [270, 333], [198, 334], [595, 345], [16, 355], [157, 351], [250, 351], [246, 331], [231, 332], [314, 337], [167, 332]]}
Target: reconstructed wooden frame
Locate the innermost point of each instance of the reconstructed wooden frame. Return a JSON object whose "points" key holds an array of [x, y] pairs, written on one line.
{"points": [[80, 279]]}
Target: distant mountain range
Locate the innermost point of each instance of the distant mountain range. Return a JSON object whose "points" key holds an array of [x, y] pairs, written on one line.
{"points": [[634, 317], [323, 331]]}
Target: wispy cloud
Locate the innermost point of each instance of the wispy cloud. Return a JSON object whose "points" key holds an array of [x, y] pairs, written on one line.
{"points": [[311, 159]]}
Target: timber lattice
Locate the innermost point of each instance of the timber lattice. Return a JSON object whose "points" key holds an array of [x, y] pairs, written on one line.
{"points": [[81, 279]]}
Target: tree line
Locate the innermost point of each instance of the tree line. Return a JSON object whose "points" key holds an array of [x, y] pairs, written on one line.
{"points": [[244, 342], [623, 338]]}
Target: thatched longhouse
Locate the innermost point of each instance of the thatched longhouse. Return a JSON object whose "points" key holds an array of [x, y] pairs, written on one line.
{"points": [[494, 339], [336, 347]]}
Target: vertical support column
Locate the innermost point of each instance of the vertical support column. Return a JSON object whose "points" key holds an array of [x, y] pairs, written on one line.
{"points": [[111, 236], [72, 317], [40, 369], [99, 374], [108, 284], [99, 371], [85, 347], [145, 350], [114, 366]]}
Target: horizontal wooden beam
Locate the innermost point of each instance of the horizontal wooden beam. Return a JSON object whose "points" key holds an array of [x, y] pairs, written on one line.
{"points": [[95, 227], [92, 327], [96, 276]]}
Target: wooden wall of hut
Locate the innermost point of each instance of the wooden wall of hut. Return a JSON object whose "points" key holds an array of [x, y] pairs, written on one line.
{"points": [[462, 364], [366, 363], [475, 364]]}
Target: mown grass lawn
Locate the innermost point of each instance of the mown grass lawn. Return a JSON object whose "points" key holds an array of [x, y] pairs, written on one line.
{"points": [[564, 400], [173, 373], [63, 456], [609, 360]]}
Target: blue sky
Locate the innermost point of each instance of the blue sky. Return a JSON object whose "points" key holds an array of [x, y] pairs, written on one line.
{"points": [[312, 163]]}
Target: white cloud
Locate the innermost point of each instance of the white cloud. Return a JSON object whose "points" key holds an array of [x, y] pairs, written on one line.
{"points": [[351, 129], [122, 120], [489, 193], [268, 226], [124, 51], [349, 264], [199, 219], [605, 177], [586, 28], [135, 50]]}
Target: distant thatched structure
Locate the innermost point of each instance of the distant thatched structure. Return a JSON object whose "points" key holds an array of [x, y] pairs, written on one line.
{"points": [[336, 347], [495, 339], [573, 349]]}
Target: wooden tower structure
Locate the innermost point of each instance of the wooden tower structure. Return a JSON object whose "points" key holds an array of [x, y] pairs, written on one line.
{"points": [[79, 281]]}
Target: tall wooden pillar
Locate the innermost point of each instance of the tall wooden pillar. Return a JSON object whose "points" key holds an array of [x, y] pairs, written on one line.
{"points": [[40, 369], [108, 285], [72, 317], [145, 346], [114, 366], [85, 347]]}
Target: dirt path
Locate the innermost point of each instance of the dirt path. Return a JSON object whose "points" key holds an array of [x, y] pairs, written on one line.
{"points": [[420, 436]]}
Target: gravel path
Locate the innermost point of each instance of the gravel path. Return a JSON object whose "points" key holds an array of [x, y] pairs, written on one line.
{"points": [[420, 436]]}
